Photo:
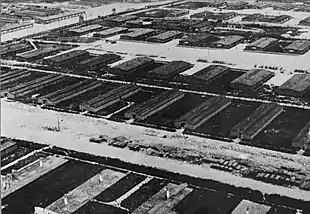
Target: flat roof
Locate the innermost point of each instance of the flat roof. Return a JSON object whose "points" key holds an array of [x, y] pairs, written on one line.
{"points": [[167, 34], [249, 122], [37, 52], [15, 25], [14, 47], [133, 63], [58, 15], [112, 30], [139, 32], [253, 16], [148, 106], [86, 28], [202, 24], [228, 40], [263, 42], [299, 45], [252, 77], [123, 18], [99, 59], [252, 207], [210, 72], [298, 82], [169, 68], [203, 110], [68, 55], [111, 95], [196, 38]]}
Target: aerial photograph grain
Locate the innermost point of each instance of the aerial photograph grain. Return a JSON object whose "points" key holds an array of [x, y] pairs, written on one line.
{"points": [[155, 106]]}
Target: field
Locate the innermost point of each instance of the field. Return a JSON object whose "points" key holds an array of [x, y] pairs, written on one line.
{"points": [[49, 187], [281, 131], [73, 104], [55, 87], [167, 116], [221, 85], [18, 153], [207, 202], [98, 208], [221, 123], [143, 194], [23, 162], [142, 96], [120, 188], [33, 76]]}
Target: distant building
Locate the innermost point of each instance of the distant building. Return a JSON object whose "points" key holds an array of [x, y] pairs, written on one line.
{"points": [[202, 113], [110, 32], [251, 80], [131, 66], [228, 41], [196, 39], [13, 49], [262, 44], [165, 36], [138, 34], [154, 105], [37, 54], [237, 5], [297, 85], [211, 73], [84, 30], [111, 97], [252, 17], [98, 62], [66, 58], [120, 20], [298, 47], [58, 17], [8, 28], [169, 70], [69, 92], [251, 126], [202, 26]]}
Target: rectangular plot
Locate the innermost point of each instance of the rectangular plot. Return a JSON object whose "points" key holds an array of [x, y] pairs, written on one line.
{"points": [[177, 195], [50, 187], [159, 196], [33, 76], [24, 162], [137, 98], [98, 208], [221, 123], [26, 176], [18, 153], [75, 102], [206, 202], [88, 190], [143, 194], [177, 109], [283, 129], [65, 83], [221, 85], [120, 188]]}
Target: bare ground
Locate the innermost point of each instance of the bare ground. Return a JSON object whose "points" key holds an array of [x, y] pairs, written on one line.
{"points": [[28, 122]]}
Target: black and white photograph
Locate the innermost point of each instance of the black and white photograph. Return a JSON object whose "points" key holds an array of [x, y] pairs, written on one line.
{"points": [[155, 106]]}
